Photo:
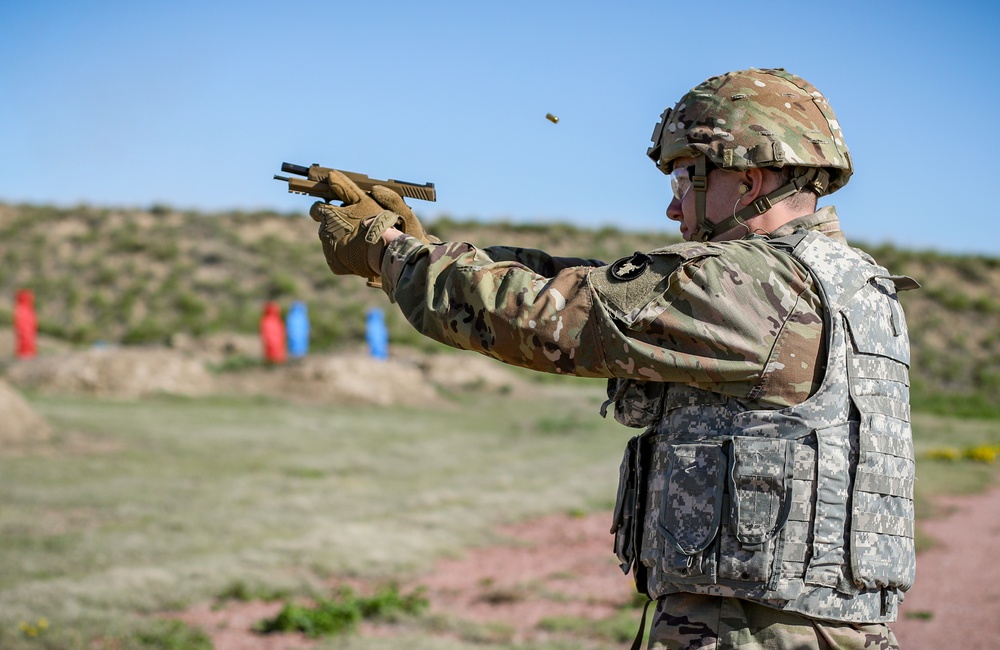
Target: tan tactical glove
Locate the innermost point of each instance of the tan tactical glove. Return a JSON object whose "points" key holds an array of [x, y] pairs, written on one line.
{"points": [[409, 223], [352, 233]]}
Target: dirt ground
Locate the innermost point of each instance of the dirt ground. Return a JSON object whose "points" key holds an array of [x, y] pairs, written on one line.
{"points": [[561, 565], [955, 602], [553, 566]]}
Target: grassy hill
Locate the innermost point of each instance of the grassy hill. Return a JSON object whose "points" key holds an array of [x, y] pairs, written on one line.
{"points": [[137, 276]]}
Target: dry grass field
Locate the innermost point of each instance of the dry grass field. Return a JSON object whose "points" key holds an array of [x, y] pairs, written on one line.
{"points": [[132, 512]]}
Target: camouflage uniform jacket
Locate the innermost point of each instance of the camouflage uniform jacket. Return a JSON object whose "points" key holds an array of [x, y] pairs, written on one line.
{"points": [[716, 348], [746, 326]]}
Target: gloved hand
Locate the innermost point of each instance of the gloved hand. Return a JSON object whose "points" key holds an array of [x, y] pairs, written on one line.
{"points": [[409, 223], [352, 233]]}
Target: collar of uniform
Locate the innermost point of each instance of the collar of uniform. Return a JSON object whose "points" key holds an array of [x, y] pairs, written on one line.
{"points": [[823, 220]]}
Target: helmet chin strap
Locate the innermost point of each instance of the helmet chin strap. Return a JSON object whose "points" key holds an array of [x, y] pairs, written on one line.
{"points": [[814, 178], [699, 182]]}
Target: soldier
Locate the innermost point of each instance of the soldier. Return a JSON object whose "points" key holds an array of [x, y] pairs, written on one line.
{"points": [[768, 501]]}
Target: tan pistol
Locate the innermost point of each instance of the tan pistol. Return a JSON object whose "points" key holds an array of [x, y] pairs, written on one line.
{"points": [[314, 183]]}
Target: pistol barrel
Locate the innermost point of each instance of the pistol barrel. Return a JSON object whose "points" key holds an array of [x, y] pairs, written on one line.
{"points": [[294, 169]]}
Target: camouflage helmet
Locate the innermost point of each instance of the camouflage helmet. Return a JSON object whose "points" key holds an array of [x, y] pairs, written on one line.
{"points": [[757, 118], [753, 118]]}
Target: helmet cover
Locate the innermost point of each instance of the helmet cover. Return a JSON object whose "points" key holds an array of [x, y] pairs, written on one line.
{"points": [[754, 118]]}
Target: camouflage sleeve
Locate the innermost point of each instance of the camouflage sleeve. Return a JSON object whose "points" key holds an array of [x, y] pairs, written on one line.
{"points": [[708, 315], [496, 302]]}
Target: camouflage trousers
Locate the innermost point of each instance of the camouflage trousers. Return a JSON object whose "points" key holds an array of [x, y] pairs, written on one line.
{"points": [[689, 622]]}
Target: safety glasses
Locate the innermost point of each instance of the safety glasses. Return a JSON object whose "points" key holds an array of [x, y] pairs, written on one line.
{"points": [[680, 179]]}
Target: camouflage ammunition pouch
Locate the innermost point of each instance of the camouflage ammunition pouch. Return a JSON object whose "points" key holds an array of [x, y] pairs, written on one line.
{"points": [[623, 524], [761, 473], [716, 508], [684, 511], [638, 404]]}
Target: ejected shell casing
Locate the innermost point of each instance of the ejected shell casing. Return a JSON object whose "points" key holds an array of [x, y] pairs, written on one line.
{"points": [[552, 118]]}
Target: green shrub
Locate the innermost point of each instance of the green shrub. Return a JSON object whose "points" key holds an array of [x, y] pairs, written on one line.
{"points": [[240, 591], [986, 376], [344, 611], [949, 298], [972, 268], [985, 305], [128, 241], [170, 635], [147, 331], [280, 285], [189, 306]]}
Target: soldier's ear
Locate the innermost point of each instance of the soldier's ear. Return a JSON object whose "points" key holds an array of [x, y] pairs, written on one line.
{"points": [[752, 186]]}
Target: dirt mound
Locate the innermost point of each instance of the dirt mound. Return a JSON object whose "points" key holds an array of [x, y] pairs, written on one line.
{"points": [[127, 373], [217, 348], [20, 423], [465, 371], [336, 379], [407, 378]]}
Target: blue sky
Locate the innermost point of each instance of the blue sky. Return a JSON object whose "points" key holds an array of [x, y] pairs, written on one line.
{"points": [[195, 104]]}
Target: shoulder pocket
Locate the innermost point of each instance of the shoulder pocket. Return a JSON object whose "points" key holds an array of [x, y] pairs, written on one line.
{"points": [[876, 321]]}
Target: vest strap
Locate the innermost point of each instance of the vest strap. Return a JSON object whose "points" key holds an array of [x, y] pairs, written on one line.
{"points": [[637, 643]]}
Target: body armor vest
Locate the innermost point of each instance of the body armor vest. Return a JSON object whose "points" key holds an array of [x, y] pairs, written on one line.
{"points": [[807, 508]]}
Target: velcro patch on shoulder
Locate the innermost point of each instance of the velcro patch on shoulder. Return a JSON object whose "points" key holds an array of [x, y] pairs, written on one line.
{"points": [[624, 295], [630, 284]]}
